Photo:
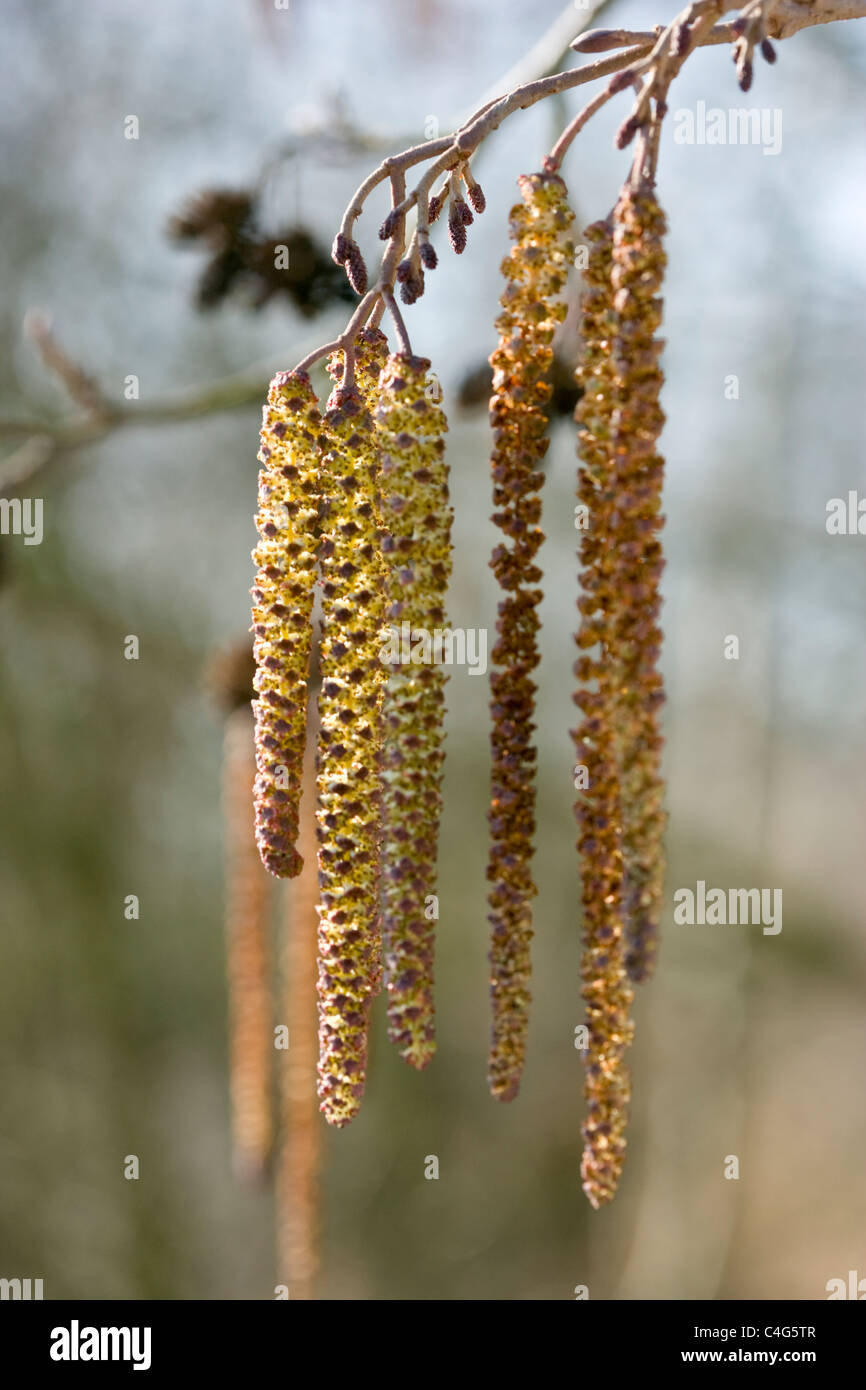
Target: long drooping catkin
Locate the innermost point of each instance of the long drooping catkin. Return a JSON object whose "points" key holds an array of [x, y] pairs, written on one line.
{"points": [[417, 518], [371, 352], [606, 990], [248, 906], [348, 795], [638, 270], [297, 1184], [287, 523], [536, 271]]}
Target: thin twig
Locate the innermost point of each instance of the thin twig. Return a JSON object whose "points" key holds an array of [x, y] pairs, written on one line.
{"points": [[399, 324]]}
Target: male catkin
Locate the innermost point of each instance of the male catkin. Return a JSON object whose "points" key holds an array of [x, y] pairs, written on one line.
{"points": [[348, 796], [606, 990], [536, 271], [417, 518], [637, 273], [248, 963], [287, 523]]}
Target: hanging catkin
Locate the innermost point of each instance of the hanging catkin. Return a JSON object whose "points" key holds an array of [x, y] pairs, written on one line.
{"points": [[287, 520], [638, 270], [371, 352], [348, 796], [248, 965], [417, 542], [297, 1184], [536, 271], [606, 990]]}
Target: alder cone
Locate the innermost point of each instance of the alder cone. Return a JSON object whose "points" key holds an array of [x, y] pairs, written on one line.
{"points": [[535, 270]]}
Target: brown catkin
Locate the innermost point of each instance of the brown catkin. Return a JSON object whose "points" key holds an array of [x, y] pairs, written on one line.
{"points": [[606, 990], [637, 274], [417, 543], [536, 271], [248, 965], [348, 781], [287, 523], [297, 1184]]}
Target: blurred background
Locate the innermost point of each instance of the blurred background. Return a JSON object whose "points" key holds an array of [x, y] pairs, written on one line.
{"points": [[113, 1031]]}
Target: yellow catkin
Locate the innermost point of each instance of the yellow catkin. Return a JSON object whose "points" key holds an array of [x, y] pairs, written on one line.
{"points": [[536, 271], [298, 1180], [637, 274], [417, 517], [287, 523], [371, 353], [248, 904], [348, 782], [606, 990]]}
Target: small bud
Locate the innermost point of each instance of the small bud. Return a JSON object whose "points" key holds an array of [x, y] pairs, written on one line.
{"points": [[620, 81], [389, 226], [429, 259], [456, 229], [680, 40], [434, 207], [602, 40], [744, 75], [768, 51], [626, 132], [412, 287], [404, 270], [346, 252], [475, 194]]}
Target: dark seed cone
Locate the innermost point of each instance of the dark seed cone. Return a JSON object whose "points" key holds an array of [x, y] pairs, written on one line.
{"points": [[536, 271], [417, 518], [287, 523], [350, 706], [638, 269], [248, 906], [606, 990]]}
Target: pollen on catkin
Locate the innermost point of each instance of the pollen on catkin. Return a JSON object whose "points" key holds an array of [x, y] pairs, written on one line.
{"points": [[638, 269], [348, 795], [606, 990], [535, 271], [417, 517], [371, 352], [287, 523]]}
